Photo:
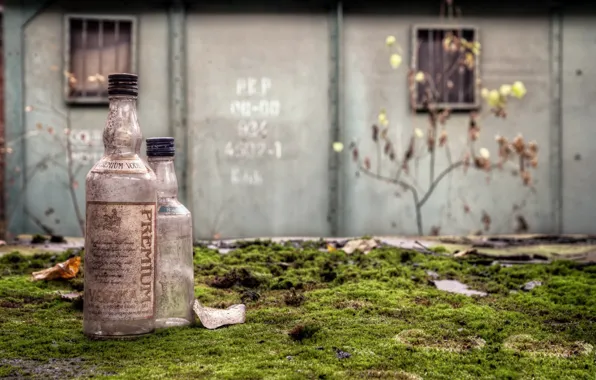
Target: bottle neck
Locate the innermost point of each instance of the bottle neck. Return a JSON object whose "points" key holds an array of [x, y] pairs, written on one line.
{"points": [[165, 172], [122, 134]]}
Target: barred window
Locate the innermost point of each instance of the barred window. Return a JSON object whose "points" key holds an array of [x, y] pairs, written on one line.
{"points": [[96, 46], [448, 57]]}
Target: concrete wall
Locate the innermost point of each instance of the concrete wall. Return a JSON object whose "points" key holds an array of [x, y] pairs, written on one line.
{"points": [[245, 71], [512, 49], [47, 198], [578, 96], [258, 123]]}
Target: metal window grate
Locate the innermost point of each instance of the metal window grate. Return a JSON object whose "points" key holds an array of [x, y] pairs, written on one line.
{"points": [[96, 46], [453, 85]]}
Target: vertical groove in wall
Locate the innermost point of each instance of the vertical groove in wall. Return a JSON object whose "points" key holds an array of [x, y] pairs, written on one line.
{"points": [[177, 93], [556, 125], [335, 110], [14, 116], [2, 141], [16, 16]]}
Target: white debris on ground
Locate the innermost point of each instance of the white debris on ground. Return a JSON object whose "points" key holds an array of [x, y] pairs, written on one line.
{"points": [[362, 245], [454, 286], [212, 318]]}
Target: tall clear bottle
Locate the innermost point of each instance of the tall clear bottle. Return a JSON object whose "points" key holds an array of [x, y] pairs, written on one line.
{"points": [[174, 278], [120, 238]]}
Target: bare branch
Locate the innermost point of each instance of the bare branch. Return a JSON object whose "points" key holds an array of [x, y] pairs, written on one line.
{"points": [[434, 184]]}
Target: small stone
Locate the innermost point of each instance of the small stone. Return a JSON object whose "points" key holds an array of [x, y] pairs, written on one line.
{"points": [[342, 354], [531, 285], [72, 296], [289, 357], [432, 274]]}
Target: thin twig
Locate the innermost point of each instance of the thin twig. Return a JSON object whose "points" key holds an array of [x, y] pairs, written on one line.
{"points": [[71, 179], [378, 143], [31, 171], [433, 186], [426, 250], [406, 186], [37, 221]]}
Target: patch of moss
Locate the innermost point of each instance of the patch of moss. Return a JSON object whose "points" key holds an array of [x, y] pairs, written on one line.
{"points": [[302, 332], [379, 310], [57, 239], [527, 344], [39, 239], [439, 340], [439, 249], [15, 263]]}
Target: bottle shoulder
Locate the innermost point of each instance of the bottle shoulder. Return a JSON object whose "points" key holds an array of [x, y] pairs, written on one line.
{"points": [[171, 207], [109, 176], [132, 168]]}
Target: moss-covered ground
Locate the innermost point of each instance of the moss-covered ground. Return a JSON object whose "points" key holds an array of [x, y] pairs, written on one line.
{"points": [[314, 314]]}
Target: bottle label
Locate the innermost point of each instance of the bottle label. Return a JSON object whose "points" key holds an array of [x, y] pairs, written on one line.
{"points": [[120, 261], [172, 210], [130, 166]]}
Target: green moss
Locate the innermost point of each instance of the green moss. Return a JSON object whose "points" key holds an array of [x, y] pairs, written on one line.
{"points": [[15, 263], [39, 239], [305, 306], [439, 249]]}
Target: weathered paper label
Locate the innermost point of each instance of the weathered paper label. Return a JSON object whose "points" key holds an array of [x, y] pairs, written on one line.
{"points": [[119, 261], [131, 166]]}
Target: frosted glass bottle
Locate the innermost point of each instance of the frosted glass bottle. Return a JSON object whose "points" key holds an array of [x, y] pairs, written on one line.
{"points": [[121, 208], [174, 279]]}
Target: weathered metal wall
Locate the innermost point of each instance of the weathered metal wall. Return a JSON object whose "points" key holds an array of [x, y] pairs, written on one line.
{"points": [[258, 124], [48, 201], [255, 98], [512, 49], [578, 95], [2, 144]]}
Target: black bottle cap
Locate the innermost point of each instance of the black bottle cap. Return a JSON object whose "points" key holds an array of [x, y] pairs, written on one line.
{"points": [[160, 147], [123, 84]]}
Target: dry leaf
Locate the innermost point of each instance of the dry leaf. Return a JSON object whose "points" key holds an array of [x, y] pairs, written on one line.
{"points": [[331, 248], [359, 245], [65, 270], [465, 253]]}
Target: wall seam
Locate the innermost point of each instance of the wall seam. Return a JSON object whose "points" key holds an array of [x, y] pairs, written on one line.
{"points": [[556, 123], [336, 124], [177, 94]]}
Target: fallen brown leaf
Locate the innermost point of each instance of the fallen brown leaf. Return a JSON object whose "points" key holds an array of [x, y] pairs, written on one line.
{"points": [[65, 270]]}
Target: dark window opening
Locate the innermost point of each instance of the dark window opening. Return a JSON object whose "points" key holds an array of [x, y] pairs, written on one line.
{"points": [[449, 60], [96, 47]]}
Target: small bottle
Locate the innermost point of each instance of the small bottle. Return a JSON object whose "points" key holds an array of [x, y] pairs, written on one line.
{"points": [[120, 234], [174, 278]]}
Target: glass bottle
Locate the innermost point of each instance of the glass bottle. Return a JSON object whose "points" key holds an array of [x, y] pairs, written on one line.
{"points": [[120, 238], [174, 278]]}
